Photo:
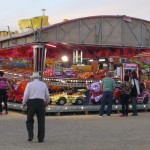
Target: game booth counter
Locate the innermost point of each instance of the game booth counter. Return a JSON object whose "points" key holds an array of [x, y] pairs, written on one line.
{"points": [[68, 72]]}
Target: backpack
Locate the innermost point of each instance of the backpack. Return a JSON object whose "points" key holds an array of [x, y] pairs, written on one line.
{"points": [[2, 83]]}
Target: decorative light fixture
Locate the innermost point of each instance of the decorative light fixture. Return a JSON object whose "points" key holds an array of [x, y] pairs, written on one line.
{"points": [[50, 45], [64, 58], [102, 60]]}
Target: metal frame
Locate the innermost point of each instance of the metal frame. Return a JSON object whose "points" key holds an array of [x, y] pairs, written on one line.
{"points": [[98, 30], [75, 109]]}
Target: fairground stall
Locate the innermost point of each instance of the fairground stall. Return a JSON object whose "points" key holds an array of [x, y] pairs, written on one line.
{"points": [[72, 54]]}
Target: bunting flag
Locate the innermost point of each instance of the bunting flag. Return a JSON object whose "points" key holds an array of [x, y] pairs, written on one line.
{"points": [[35, 23], [7, 33], [65, 20]]}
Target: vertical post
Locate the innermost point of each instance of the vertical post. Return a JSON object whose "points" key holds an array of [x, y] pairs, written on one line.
{"points": [[76, 56], [81, 57], [39, 57]]}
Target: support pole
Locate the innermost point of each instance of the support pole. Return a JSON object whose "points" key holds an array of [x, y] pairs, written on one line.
{"points": [[39, 57]]}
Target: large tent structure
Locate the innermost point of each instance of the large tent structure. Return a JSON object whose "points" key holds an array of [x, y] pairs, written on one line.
{"points": [[107, 35]]}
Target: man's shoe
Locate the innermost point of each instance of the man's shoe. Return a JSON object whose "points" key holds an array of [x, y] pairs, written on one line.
{"points": [[122, 115], [41, 140], [134, 115], [30, 139]]}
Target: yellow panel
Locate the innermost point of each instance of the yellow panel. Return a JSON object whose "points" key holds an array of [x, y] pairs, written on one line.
{"points": [[36, 22], [86, 68]]}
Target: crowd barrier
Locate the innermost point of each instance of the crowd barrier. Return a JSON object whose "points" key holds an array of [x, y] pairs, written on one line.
{"points": [[85, 109]]}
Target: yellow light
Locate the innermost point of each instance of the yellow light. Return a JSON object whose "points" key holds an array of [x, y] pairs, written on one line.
{"points": [[64, 58]]}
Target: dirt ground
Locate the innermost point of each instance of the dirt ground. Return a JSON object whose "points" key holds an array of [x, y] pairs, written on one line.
{"points": [[78, 132]]}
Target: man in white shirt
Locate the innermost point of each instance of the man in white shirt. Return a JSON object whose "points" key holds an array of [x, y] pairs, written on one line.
{"points": [[36, 97]]}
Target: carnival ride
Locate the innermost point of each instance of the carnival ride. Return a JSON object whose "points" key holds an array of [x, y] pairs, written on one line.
{"points": [[18, 88], [66, 97]]}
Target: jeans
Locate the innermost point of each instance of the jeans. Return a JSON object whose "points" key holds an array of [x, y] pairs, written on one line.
{"points": [[87, 99], [125, 104], [3, 98], [134, 107], [107, 98]]}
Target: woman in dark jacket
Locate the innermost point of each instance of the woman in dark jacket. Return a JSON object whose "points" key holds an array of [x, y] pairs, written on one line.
{"points": [[125, 95]]}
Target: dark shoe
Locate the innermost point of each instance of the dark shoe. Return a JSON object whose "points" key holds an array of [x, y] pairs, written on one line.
{"points": [[6, 112], [122, 115], [41, 140], [30, 139], [134, 115]]}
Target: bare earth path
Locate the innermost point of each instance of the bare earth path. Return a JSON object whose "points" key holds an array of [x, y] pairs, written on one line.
{"points": [[81, 132]]}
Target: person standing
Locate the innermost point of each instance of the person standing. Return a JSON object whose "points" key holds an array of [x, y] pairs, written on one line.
{"points": [[4, 84], [135, 90], [108, 84], [36, 98], [125, 95]]}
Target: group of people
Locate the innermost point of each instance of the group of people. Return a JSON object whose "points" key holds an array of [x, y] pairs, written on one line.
{"points": [[129, 91], [36, 98]]}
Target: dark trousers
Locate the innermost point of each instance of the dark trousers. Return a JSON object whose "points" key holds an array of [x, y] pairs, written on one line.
{"points": [[106, 98], [125, 104], [36, 106], [3, 98], [87, 98], [134, 107]]}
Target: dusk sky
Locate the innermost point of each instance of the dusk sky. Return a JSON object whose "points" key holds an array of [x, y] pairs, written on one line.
{"points": [[57, 10]]}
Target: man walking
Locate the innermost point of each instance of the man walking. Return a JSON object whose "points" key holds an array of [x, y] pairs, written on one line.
{"points": [[108, 85], [36, 97]]}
